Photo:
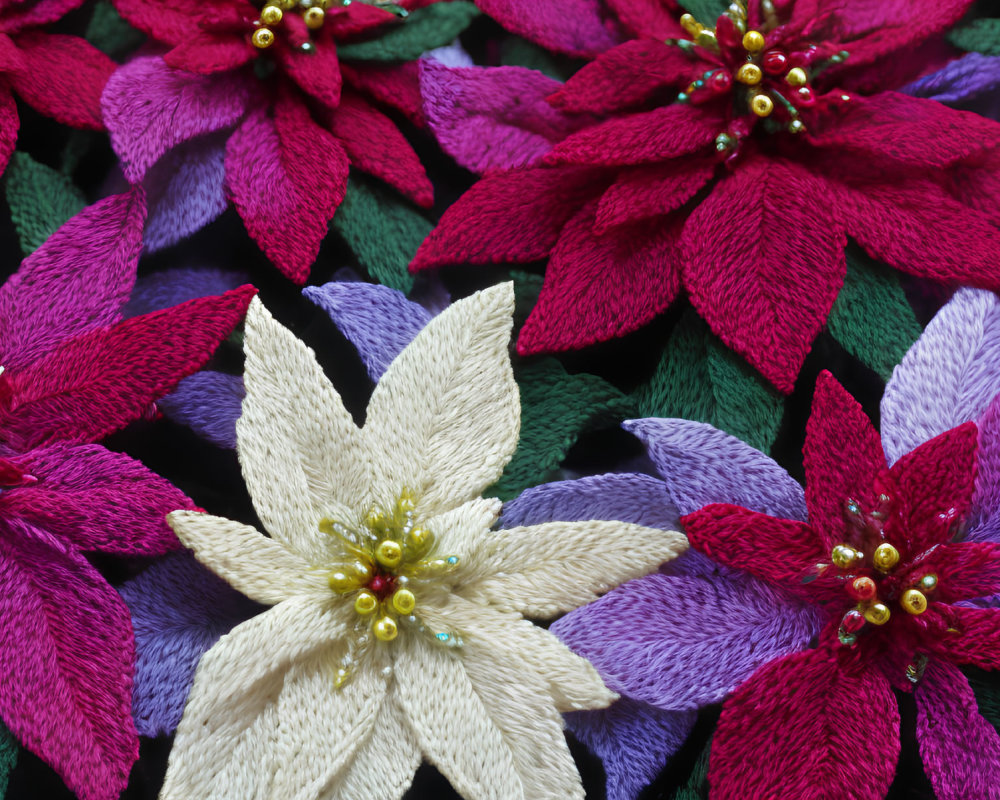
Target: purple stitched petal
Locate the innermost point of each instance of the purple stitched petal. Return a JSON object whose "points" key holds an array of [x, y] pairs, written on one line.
{"points": [[960, 750], [492, 118], [377, 320], [574, 27], [149, 108], [969, 83], [947, 377], [633, 739], [209, 403], [984, 518], [186, 190], [451, 55], [683, 642], [703, 465], [179, 610], [175, 286]]}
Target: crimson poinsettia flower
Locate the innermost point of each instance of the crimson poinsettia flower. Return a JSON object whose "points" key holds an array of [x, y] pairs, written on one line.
{"points": [[884, 559], [60, 76], [286, 116], [734, 162]]}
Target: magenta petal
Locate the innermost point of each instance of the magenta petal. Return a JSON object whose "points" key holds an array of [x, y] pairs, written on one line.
{"points": [[67, 638], [75, 282], [492, 118], [679, 642], [149, 108], [634, 741], [179, 610], [960, 750], [574, 27], [702, 465], [209, 403]]}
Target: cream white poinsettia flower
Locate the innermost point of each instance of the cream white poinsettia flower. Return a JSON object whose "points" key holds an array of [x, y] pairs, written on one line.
{"points": [[396, 628]]}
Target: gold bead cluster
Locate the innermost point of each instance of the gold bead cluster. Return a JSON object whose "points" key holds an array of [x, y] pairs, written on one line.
{"points": [[273, 12]]}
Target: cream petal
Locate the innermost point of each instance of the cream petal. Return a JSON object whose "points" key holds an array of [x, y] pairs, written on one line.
{"points": [[452, 724], [300, 450], [459, 530], [262, 568], [444, 419], [543, 570]]}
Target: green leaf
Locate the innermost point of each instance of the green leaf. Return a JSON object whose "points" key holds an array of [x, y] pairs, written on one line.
{"points": [[699, 378], [556, 407], [696, 787], [424, 29], [518, 52], [40, 199], [987, 691], [527, 285], [382, 230], [109, 33], [981, 35], [705, 11], [871, 317], [8, 757]]}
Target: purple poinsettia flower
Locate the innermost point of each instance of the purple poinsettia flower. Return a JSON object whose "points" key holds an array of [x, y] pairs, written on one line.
{"points": [[690, 635]]}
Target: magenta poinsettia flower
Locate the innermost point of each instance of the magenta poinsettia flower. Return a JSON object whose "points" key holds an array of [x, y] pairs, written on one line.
{"points": [[60, 76], [731, 162], [74, 371], [257, 106]]}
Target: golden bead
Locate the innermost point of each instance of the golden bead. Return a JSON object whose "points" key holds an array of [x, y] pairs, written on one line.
{"points": [[389, 553], [262, 38], [419, 541], [342, 581], [341, 678], [365, 603], [845, 556], [403, 601], [885, 557], [374, 520], [796, 77], [706, 38], [314, 17], [386, 629], [690, 24], [287, 5], [749, 74], [929, 582], [913, 601], [753, 41], [362, 571], [762, 105], [877, 613], [271, 15]]}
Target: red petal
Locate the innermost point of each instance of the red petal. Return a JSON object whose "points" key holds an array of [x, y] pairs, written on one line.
{"points": [[965, 570], [287, 176], [762, 267], [356, 18], [9, 123], [317, 73], [165, 20], [396, 85], [205, 53], [626, 76], [935, 484], [802, 727], [643, 192], [663, 133], [375, 145], [650, 18], [100, 381], [781, 551], [597, 288], [967, 635], [17, 15], [66, 638], [534, 202], [62, 77]]}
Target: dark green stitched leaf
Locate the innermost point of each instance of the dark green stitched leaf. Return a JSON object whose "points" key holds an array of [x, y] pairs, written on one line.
{"points": [[8, 757], [424, 29], [980, 35], [109, 33], [705, 11], [40, 200]]}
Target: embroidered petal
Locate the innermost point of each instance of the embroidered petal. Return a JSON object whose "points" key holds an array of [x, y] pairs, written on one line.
{"points": [[643, 192], [300, 450], [965, 570], [9, 123], [575, 27], [651, 19], [452, 386], [984, 521], [209, 403], [972, 635], [205, 52], [316, 73]]}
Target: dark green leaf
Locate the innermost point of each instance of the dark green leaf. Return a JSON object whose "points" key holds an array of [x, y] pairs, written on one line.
{"points": [[518, 52], [556, 408], [8, 757], [871, 317], [527, 285], [987, 691], [109, 33], [696, 787], [699, 378], [705, 11], [424, 29], [40, 200], [382, 230], [981, 35]]}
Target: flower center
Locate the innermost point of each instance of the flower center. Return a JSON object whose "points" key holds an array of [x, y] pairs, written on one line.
{"points": [[390, 562], [298, 18], [768, 80]]}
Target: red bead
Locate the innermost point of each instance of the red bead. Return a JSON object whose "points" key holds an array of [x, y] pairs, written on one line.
{"points": [[377, 584], [721, 81], [862, 588], [853, 621], [805, 96], [774, 62]]}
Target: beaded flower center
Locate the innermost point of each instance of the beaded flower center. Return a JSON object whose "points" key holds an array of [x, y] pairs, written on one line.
{"points": [[767, 81], [391, 561], [297, 18]]}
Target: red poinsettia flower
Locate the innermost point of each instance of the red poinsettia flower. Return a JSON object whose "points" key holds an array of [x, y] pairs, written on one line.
{"points": [[734, 162], [294, 115], [58, 75], [884, 556]]}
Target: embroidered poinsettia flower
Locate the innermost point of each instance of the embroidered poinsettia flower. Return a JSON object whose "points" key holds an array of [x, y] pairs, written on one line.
{"points": [[59, 75], [731, 162], [264, 105], [395, 628]]}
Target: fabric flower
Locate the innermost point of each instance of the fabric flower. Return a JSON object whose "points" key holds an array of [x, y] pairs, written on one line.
{"points": [[73, 372], [732, 162], [58, 75], [254, 105], [396, 628], [918, 545]]}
